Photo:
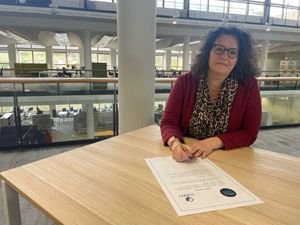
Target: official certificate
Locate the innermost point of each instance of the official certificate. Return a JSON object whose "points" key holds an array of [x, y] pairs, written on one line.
{"points": [[199, 186]]}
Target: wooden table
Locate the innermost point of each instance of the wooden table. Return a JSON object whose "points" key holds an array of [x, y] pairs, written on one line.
{"points": [[109, 183]]}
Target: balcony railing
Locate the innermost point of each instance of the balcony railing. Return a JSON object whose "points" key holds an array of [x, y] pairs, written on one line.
{"points": [[39, 111]]}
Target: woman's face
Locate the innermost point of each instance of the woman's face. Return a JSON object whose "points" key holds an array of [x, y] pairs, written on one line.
{"points": [[223, 56]]}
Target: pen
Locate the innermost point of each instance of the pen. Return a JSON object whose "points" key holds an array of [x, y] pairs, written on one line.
{"points": [[186, 150]]}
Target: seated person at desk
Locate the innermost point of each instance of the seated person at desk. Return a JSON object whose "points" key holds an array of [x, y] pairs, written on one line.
{"points": [[218, 101], [39, 111]]}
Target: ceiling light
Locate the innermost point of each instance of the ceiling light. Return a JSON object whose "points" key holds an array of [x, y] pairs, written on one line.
{"points": [[62, 39], [11, 35], [268, 27], [174, 20], [2, 33], [103, 42], [17, 38], [194, 42]]}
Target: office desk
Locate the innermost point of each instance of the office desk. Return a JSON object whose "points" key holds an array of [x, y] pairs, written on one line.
{"points": [[110, 183]]}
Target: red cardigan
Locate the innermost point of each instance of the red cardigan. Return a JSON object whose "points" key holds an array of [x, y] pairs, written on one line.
{"points": [[244, 118]]}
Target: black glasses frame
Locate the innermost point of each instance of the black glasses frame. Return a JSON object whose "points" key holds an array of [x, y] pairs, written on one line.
{"points": [[229, 50]]}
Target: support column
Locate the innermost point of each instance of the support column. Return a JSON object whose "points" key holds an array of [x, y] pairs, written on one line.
{"points": [[90, 127], [135, 18], [81, 55], [49, 58], [168, 59], [113, 58], [87, 52], [186, 51], [264, 56], [51, 108], [12, 55]]}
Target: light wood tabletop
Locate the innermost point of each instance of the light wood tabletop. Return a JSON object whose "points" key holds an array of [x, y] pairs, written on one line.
{"points": [[110, 183]]}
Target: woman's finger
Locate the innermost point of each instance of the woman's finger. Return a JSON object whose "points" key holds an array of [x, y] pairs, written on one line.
{"points": [[198, 154]]}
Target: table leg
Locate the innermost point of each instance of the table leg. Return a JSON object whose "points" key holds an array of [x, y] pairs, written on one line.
{"points": [[11, 205]]}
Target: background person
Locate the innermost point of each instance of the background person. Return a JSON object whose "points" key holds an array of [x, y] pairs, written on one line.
{"points": [[218, 101]]}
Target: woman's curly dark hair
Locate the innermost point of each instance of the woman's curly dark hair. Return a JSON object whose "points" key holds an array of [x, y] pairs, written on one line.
{"points": [[246, 65]]}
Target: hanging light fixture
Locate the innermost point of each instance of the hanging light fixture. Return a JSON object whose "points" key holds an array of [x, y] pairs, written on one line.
{"points": [[174, 21], [268, 27], [62, 39]]}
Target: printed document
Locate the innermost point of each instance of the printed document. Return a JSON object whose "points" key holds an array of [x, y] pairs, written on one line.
{"points": [[199, 186]]}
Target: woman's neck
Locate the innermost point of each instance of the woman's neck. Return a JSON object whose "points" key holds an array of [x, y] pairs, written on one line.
{"points": [[214, 85], [214, 81]]}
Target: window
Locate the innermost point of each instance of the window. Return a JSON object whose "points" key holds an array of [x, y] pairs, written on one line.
{"points": [[174, 4], [63, 59], [59, 60], [58, 47], [200, 5], [159, 62], [94, 58], [256, 10], [285, 9], [73, 58], [176, 62], [295, 3], [159, 3], [4, 60], [31, 57], [218, 6], [39, 57], [237, 8], [6, 109], [276, 12], [37, 46], [277, 2], [291, 14], [25, 57], [104, 58]]}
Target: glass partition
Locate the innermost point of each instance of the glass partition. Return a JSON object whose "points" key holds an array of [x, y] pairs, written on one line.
{"points": [[38, 114]]}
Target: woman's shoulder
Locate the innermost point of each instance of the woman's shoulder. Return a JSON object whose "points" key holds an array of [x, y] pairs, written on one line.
{"points": [[187, 77], [249, 83]]}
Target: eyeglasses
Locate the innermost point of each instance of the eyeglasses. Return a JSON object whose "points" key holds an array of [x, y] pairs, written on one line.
{"points": [[231, 52]]}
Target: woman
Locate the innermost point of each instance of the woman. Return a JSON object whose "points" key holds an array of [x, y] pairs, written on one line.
{"points": [[218, 101]]}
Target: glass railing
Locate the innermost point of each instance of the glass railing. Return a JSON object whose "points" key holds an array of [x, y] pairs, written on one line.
{"points": [[37, 111], [40, 111]]}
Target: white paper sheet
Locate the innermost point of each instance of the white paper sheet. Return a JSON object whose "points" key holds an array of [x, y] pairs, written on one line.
{"points": [[194, 187]]}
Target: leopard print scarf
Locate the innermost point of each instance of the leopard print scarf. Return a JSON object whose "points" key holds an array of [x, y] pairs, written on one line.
{"points": [[210, 119]]}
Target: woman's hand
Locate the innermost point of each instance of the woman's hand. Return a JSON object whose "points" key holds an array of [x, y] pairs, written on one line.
{"points": [[205, 147], [180, 151]]}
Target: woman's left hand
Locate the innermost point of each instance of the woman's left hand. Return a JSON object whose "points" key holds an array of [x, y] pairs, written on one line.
{"points": [[205, 147]]}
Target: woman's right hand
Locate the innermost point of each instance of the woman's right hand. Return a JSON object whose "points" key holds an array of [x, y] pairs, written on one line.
{"points": [[180, 151]]}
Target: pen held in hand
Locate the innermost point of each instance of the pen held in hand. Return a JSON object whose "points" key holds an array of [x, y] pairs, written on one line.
{"points": [[184, 147]]}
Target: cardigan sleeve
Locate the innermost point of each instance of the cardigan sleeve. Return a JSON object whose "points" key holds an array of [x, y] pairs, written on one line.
{"points": [[171, 121], [250, 123]]}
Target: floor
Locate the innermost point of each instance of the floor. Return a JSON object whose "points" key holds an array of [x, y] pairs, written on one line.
{"points": [[284, 141]]}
